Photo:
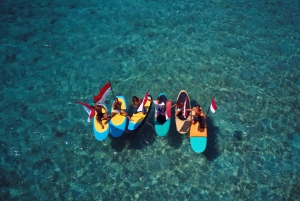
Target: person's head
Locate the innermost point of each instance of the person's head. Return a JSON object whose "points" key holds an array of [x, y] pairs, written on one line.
{"points": [[97, 106], [116, 99], [198, 107], [158, 100], [178, 102], [134, 99]]}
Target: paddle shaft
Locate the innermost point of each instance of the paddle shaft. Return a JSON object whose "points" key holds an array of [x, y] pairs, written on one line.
{"points": [[208, 110], [111, 89]]}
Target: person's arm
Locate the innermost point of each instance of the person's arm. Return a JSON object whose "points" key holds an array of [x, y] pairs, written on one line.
{"points": [[133, 105], [193, 109]]}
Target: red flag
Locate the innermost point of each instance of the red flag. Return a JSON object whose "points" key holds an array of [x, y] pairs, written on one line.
{"points": [[145, 99], [213, 106], [89, 109], [168, 109], [104, 91], [184, 108]]}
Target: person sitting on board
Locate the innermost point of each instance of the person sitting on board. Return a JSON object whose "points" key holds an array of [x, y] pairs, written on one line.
{"points": [[179, 107], [100, 115], [199, 117], [160, 108], [136, 102], [117, 109]]}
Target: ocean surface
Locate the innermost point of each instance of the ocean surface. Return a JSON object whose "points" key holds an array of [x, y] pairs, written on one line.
{"points": [[244, 53]]}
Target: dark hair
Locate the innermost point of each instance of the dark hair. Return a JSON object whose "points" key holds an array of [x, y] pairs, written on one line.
{"points": [[133, 97], [197, 105]]}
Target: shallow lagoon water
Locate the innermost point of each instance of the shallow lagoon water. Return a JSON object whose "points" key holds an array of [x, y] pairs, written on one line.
{"points": [[246, 54]]}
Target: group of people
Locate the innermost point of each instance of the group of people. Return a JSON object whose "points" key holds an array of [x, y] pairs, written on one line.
{"points": [[117, 109], [199, 115]]}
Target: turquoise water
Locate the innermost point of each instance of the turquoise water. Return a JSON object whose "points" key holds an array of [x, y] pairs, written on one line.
{"points": [[246, 54]]}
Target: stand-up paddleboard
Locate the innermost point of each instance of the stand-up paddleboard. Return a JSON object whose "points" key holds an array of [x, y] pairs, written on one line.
{"points": [[183, 124], [119, 121], [139, 118], [162, 123], [99, 132], [198, 138]]}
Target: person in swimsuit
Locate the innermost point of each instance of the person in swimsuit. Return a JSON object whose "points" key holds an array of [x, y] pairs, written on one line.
{"points": [[100, 115], [136, 102], [199, 116], [160, 108], [117, 109], [179, 107]]}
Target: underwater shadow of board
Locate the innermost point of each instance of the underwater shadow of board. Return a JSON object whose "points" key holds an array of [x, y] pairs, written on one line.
{"points": [[143, 137], [174, 138], [118, 143], [211, 152]]}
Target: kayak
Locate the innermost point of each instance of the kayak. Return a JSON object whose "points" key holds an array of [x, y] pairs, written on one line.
{"points": [[139, 118], [99, 132], [183, 124], [162, 123], [119, 121]]}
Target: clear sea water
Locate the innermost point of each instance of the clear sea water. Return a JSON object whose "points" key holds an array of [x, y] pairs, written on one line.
{"points": [[245, 53]]}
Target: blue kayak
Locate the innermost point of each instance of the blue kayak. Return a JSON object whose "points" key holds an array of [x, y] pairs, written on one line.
{"points": [[99, 132], [119, 121]]}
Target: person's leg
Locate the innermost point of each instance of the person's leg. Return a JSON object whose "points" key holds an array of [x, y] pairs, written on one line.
{"points": [[134, 110], [195, 120], [125, 113], [111, 116], [101, 125], [105, 117], [99, 120], [202, 122]]}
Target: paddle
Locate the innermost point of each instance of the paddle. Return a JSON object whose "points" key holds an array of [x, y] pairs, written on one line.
{"points": [[111, 89]]}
